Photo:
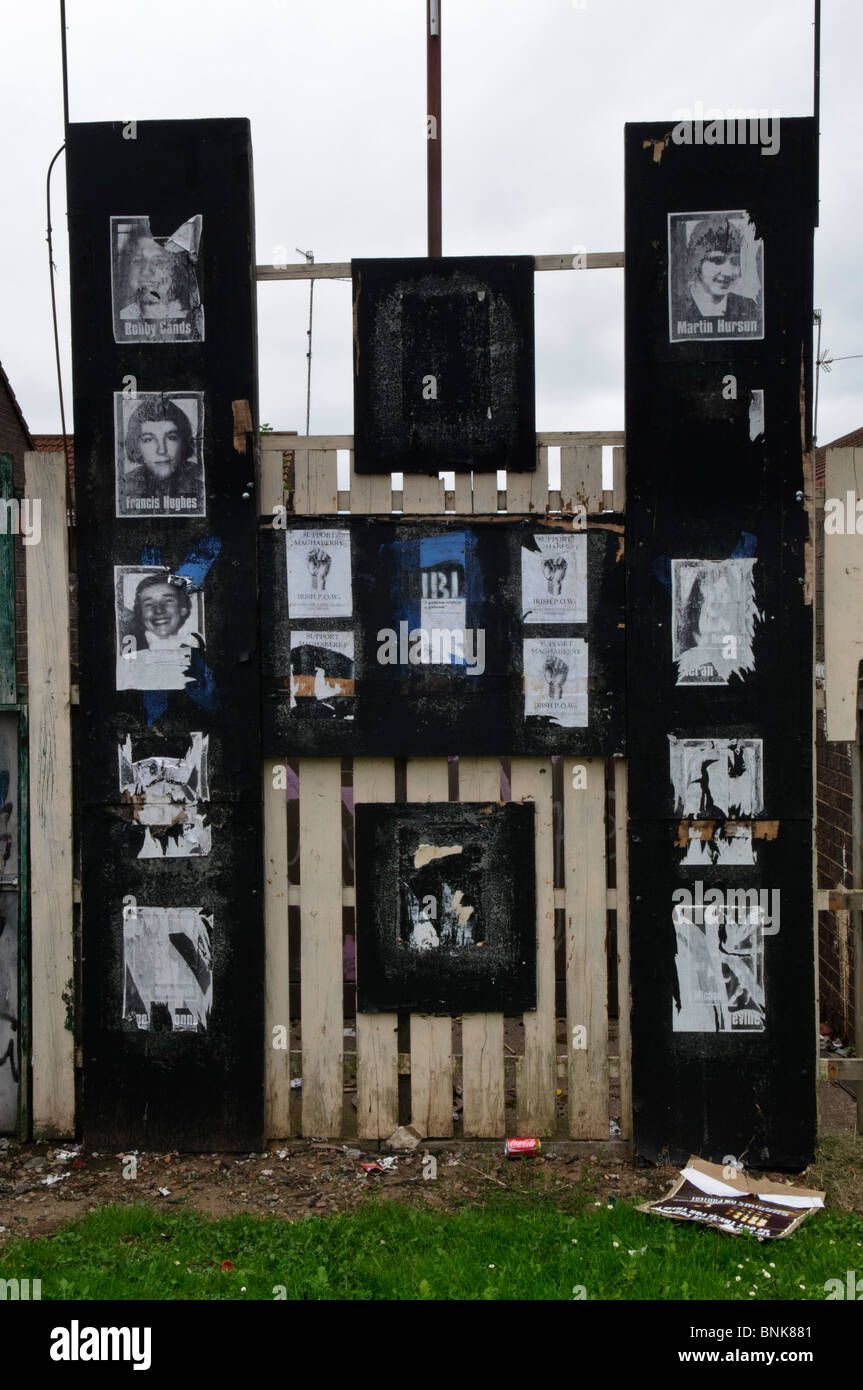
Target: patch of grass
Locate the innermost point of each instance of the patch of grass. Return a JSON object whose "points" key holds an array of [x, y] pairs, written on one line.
{"points": [[508, 1249], [838, 1171]]}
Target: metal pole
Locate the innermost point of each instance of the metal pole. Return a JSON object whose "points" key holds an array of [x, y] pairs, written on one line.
{"points": [[310, 258], [433, 126], [817, 102], [65, 65]]}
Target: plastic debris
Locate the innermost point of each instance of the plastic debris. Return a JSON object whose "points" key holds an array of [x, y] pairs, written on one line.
{"points": [[297, 1083], [164, 1192], [613, 1129], [52, 1178]]}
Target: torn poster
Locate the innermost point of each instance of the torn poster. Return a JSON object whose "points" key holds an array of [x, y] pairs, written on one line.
{"points": [[319, 574], [715, 277], [435, 914], [322, 674], [154, 282], [717, 778], [159, 453], [167, 797], [554, 579], [160, 629], [708, 1193], [720, 967], [555, 679], [756, 414], [718, 842], [167, 956], [713, 619]]}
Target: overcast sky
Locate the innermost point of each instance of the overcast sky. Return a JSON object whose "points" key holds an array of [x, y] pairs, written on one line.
{"points": [[535, 96]]}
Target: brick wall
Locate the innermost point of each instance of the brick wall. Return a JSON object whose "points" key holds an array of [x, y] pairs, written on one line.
{"points": [[834, 838]]}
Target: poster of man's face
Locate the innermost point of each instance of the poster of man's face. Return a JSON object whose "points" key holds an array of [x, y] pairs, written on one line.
{"points": [[715, 277], [154, 282], [158, 453], [160, 629]]}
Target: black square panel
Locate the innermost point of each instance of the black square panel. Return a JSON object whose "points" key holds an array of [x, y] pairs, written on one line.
{"points": [[444, 365]]}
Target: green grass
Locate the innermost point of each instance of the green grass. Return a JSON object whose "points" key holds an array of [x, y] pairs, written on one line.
{"points": [[512, 1248]]}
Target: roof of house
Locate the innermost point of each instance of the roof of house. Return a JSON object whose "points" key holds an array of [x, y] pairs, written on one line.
{"points": [[854, 440], [4, 380]]}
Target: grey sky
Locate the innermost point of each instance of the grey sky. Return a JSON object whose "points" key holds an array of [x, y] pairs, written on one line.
{"points": [[535, 95]]}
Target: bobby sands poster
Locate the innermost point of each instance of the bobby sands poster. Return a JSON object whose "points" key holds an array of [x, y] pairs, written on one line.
{"points": [[555, 679], [154, 282], [554, 579], [319, 573], [715, 277], [159, 453], [322, 674], [713, 619]]}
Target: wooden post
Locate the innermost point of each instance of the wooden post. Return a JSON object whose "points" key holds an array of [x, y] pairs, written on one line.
{"points": [[51, 912], [433, 130]]}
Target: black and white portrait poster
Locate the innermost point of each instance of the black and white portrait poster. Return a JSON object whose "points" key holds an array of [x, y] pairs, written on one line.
{"points": [[319, 573], [160, 628], [154, 282], [717, 778], [713, 619], [166, 796], [720, 969], [715, 277], [159, 453], [554, 579], [555, 679], [168, 969], [322, 674]]}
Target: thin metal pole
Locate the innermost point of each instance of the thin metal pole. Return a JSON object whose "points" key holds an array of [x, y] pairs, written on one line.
{"points": [[65, 65], [310, 259], [816, 101], [817, 317], [433, 126]]}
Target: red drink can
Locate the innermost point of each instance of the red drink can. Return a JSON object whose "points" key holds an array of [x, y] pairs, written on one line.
{"points": [[517, 1148]]}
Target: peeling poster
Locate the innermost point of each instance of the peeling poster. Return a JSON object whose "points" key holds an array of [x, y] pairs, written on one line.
{"points": [[167, 955], [154, 282]]}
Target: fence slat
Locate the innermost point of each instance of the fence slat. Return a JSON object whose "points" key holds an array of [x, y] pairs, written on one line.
{"points": [[277, 1075], [484, 494], [528, 492], [621, 855], [586, 959], [618, 475], [316, 476], [51, 910], [581, 477], [536, 1071], [423, 494], [377, 1034], [370, 493], [321, 945], [431, 1038], [482, 1034]]}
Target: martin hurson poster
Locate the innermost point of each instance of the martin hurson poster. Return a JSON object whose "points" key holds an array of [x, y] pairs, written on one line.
{"points": [[715, 276], [445, 907], [718, 302], [164, 369], [384, 636]]}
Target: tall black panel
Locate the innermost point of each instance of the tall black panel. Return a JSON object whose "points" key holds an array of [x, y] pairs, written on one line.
{"points": [[163, 326], [719, 241]]}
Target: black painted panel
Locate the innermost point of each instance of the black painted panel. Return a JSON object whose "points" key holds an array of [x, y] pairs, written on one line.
{"points": [[446, 907], [444, 365], [388, 579]]}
